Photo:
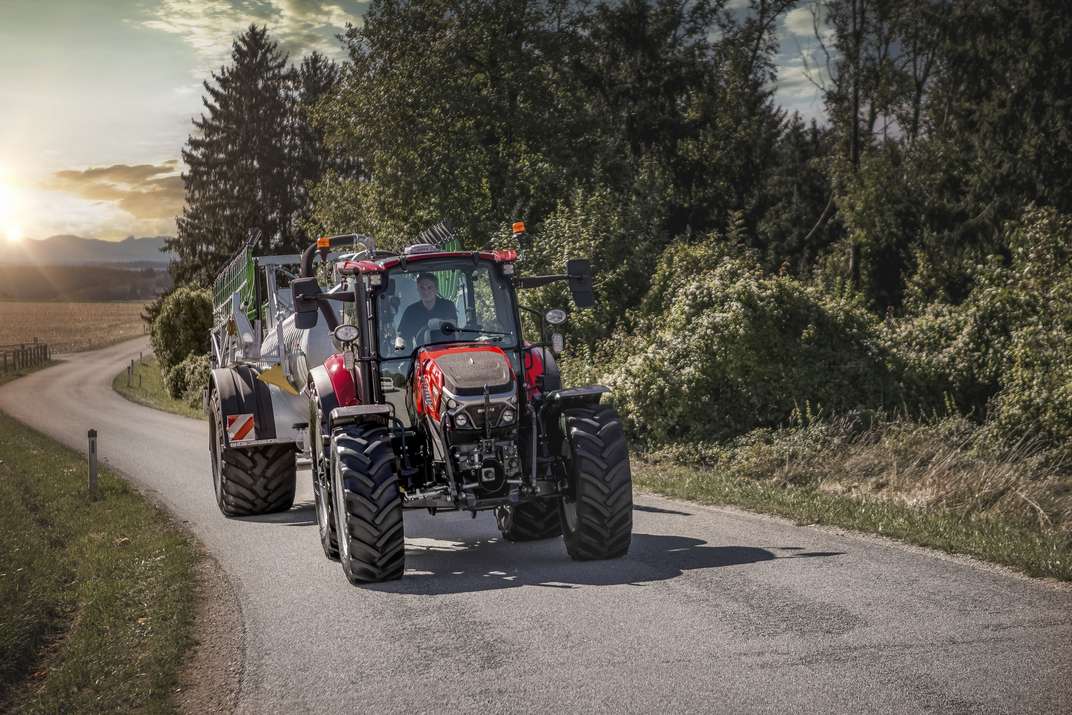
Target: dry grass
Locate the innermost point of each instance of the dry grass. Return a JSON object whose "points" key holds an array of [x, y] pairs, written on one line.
{"points": [[70, 327], [945, 484]]}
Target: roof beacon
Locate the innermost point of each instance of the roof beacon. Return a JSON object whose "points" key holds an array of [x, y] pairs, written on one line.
{"points": [[420, 248]]}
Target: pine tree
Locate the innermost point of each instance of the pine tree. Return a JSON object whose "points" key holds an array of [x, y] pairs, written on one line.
{"points": [[241, 176], [314, 80]]}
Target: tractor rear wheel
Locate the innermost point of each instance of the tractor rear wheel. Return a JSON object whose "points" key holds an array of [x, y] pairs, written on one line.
{"points": [[529, 522], [597, 515], [367, 504], [250, 481]]}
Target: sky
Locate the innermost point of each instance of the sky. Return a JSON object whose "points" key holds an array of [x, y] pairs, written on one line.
{"points": [[97, 96]]}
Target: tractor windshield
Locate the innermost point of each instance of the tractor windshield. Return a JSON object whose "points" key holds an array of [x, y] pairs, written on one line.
{"points": [[443, 302]]}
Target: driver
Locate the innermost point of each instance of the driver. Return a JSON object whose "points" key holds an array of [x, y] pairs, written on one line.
{"points": [[431, 305]]}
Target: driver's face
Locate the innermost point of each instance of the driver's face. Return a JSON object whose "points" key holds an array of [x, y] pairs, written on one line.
{"points": [[427, 290]]}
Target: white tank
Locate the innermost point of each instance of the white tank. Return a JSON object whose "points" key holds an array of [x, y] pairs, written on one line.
{"points": [[305, 349]]}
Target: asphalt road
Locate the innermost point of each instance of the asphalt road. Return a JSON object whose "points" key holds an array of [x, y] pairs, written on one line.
{"points": [[713, 610]]}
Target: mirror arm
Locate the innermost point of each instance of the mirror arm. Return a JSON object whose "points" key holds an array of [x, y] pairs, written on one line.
{"points": [[537, 281]]}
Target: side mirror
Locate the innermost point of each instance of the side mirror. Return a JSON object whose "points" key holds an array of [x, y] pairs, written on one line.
{"points": [[580, 282], [303, 292]]}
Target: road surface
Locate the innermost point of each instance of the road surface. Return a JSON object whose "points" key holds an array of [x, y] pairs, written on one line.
{"points": [[713, 609]]}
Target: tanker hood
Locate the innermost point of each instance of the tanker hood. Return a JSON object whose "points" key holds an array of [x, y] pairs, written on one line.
{"points": [[467, 370]]}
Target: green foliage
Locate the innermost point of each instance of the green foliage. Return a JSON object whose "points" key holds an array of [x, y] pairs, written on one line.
{"points": [[186, 380], [619, 235], [728, 348], [181, 327], [1005, 348]]}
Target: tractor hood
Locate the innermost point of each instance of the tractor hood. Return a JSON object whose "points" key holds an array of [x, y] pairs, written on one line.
{"points": [[467, 370]]}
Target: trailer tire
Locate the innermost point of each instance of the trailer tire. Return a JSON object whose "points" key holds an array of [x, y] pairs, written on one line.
{"points": [[529, 522], [597, 514], [368, 504], [251, 481]]}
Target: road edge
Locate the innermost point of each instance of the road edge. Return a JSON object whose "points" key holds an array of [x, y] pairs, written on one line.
{"points": [[965, 560]]}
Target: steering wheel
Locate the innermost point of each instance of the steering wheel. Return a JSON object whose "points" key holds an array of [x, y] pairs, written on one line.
{"points": [[437, 330]]}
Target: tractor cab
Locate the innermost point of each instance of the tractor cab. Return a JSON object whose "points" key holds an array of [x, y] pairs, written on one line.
{"points": [[444, 305]]}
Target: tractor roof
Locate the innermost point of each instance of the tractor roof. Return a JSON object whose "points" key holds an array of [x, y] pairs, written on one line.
{"points": [[384, 263]]}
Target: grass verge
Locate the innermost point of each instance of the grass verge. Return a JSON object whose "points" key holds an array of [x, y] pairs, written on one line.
{"points": [[147, 388], [938, 485], [99, 595]]}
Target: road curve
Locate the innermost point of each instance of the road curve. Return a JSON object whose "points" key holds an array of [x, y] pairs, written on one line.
{"points": [[713, 609]]}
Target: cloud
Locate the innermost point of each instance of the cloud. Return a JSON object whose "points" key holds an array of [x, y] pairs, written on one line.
{"points": [[149, 192], [299, 26]]}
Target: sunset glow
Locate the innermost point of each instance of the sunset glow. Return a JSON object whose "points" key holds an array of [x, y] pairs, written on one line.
{"points": [[9, 209]]}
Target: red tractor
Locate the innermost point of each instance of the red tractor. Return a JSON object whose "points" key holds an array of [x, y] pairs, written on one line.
{"points": [[433, 399]]}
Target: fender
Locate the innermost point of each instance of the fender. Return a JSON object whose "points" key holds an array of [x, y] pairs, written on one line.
{"points": [[241, 393], [335, 388], [559, 400], [537, 366]]}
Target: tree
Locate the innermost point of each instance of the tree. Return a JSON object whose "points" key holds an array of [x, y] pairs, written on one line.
{"points": [[455, 110], [314, 81], [241, 176]]}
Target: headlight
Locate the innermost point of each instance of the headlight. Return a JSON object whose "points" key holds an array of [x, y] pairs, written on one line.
{"points": [[346, 333], [461, 420], [508, 416]]}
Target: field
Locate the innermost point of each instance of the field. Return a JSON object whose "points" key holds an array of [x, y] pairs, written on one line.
{"points": [[70, 327]]}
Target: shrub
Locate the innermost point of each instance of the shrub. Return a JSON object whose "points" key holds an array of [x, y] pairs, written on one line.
{"points": [[181, 327], [186, 380], [724, 349], [1005, 350]]}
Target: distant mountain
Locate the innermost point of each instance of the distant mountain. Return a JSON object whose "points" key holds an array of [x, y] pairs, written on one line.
{"points": [[75, 250]]}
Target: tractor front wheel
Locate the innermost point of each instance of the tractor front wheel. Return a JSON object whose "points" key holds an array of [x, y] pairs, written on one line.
{"points": [[367, 504], [597, 514]]}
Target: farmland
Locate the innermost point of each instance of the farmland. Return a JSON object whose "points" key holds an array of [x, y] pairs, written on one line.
{"points": [[70, 327]]}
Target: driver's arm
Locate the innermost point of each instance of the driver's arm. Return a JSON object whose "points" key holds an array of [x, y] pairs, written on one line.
{"points": [[408, 326]]}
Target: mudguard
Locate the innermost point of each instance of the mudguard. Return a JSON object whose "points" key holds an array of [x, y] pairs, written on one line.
{"points": [[558, 400], [242, 394], [335, 391], [275, 415], [540, 363]]}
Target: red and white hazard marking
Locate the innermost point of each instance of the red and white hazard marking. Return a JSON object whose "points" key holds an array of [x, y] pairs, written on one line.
{"points": [[240, 427]]}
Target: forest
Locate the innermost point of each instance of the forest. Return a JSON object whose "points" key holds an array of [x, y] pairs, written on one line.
{"points": [[775, 293]]}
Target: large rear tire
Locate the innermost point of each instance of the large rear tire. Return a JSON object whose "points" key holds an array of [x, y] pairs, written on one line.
{"points": [[529, 522], [250, 481], [367, 504], [597, 516]]}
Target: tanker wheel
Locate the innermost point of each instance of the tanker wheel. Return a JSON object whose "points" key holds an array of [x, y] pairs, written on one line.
{"points": [[368, 504], [251, 481], [529, 522], [597, 514]]}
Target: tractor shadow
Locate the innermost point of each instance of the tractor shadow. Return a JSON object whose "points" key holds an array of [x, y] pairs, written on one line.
{"points": [[301, 514], [438, 562]]}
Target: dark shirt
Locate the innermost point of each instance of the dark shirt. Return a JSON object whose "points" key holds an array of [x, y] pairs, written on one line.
{"points": [[417, 316]]}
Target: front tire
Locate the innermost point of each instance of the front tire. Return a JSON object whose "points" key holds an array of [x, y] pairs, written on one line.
{"points": [[367, 504], [530, 521], [597, 516], [251, 481]]}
